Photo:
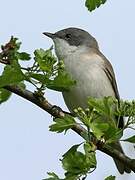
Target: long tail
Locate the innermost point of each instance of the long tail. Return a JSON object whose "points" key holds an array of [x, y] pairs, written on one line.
{"points": [[120, 166]]}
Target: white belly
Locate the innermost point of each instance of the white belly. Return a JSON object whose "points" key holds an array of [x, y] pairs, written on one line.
{"points": [[91, 79]]}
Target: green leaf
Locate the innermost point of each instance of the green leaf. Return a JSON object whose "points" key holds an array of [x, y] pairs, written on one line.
{"points": [[62, 124], [62, 82], [93, 4], [72, 150], [41, 53], [76, 163], [90, 154], [53, 176], [130, 139], [97, 104], [104, 122], [97, 3], [70, 177], [99, 128], [40, 77], [110, 178], [90, 4], [104, 109], [12, 74], [45, 59], [113, 134], [4, 95], [23, 56], [105, 106], [52, 73]]}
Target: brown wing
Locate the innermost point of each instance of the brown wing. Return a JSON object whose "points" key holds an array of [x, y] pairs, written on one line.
{"points": [[110, 74]]}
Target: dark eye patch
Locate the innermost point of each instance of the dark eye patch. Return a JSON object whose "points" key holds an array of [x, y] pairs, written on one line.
{"points": [[74, 39], [68, 36]]}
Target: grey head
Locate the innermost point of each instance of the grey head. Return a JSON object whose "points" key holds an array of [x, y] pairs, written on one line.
{"points": [[71, 40]]}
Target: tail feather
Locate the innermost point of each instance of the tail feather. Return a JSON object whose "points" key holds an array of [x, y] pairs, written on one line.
{"points": [[120, 166]]}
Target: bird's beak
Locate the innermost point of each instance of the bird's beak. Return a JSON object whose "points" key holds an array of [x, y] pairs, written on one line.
{"points": [[50, 35]]}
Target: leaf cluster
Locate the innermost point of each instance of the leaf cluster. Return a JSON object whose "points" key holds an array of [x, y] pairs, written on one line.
{"points": [[45, 72], [77, 164], [101, 120]]}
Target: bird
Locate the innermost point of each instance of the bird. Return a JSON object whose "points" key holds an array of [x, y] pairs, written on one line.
{"points": [[92, 71]]}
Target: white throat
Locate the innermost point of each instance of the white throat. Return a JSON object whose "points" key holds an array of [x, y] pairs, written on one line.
{"points": [[64, 50]]}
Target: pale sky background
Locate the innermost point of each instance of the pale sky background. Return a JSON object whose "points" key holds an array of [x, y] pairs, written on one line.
{"points": [[28, 150]]}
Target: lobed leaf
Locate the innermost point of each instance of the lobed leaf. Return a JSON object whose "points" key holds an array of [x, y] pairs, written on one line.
{"points": [[12, 74], [45, 59], [4, 95], [93, 4], [89, 149], [110, 178], [77, 163], [99, 128], [62, 82], [40, 77], [23, 56], [62, 124]]}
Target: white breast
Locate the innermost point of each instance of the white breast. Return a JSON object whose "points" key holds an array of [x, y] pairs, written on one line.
{"points": [[91, 79]]}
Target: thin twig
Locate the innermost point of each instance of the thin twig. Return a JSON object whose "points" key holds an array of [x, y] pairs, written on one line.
{"points": [[46, 106]]}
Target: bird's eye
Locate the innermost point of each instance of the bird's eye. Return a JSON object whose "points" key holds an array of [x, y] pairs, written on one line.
{"points": [[68, 36]]}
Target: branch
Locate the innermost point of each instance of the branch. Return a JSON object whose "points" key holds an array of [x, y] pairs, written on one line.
{"points": [[32, 97], [46, 106], [118, 155]]}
